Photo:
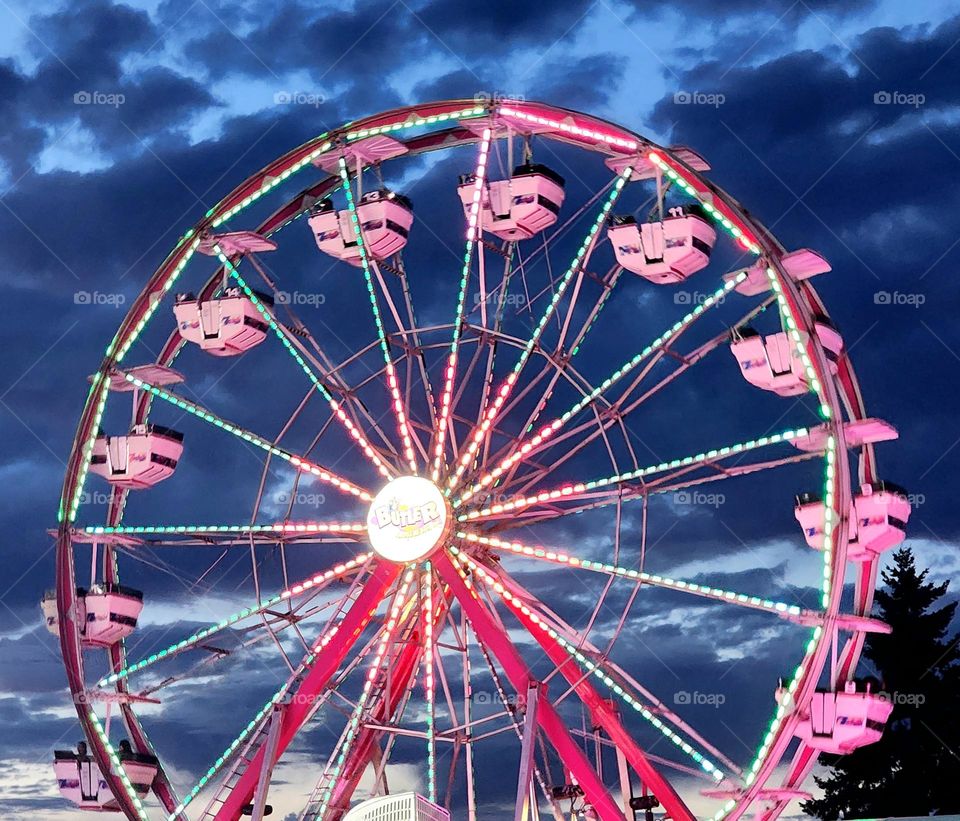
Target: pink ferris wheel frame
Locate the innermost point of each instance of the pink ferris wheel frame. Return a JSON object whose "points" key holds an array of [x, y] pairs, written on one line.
{"points": [[467, 122]]}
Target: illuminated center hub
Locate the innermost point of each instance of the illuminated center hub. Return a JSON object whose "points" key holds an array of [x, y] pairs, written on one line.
{"points": [[408, 519]]}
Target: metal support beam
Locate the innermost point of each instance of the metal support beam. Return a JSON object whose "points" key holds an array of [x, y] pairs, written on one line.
{"points": [[269, 759], [528, 746]]}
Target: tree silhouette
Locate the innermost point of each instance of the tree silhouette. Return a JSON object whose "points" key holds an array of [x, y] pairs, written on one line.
{"points": [[915, 768]]}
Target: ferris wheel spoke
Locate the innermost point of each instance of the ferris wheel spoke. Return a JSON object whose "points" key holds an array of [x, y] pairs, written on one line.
{"points": [[617, 412], [671, 483], [285, 338], [522, 448], [213, 531], [299, 464], [561, 357], [450, 371], [403, 425], [520, 677], [503, 289], [333, 381], [310, 585], [577, 490], [557, 557], [500, 396], [561, 651], [428, 678]]}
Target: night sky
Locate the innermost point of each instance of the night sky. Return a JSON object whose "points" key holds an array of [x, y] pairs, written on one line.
{"points": [[835, 123]]}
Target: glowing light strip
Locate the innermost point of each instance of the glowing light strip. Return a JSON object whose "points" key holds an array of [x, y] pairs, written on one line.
{"points": [[406, 434], [254, 723], [281, 334], [279, 527], [302, 465], [473, 230], [413, 122], [289, 593], [355, 718], [582, 487], [604, 299], [270, 183], [558, 557], [720, 213], [577, 131], [554, 425], [118, 767], [501, 394], [428, 684], [705, 763]]}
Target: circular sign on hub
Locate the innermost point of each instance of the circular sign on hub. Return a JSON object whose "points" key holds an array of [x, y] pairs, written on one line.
{"points": [[407, 519]]}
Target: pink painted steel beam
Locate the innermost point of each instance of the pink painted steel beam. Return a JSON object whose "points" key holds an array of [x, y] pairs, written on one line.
{"points": [[520, 677], [353, 624], [604, 715], [404, 670]]}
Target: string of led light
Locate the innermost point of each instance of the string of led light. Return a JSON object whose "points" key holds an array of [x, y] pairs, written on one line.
{"points": [[406, 434], [584, 487], [118, 767], [653, 579], [473, 230], [291, 592], [335, 406], [428, 683], [501, 394], [300, 464], [278, 527], [547, 431]]}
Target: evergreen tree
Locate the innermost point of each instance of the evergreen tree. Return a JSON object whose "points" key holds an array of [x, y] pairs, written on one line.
{"points": [[915, 768]]}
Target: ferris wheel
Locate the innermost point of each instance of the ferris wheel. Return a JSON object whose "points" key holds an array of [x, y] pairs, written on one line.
{"points": [[450, 448]]}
